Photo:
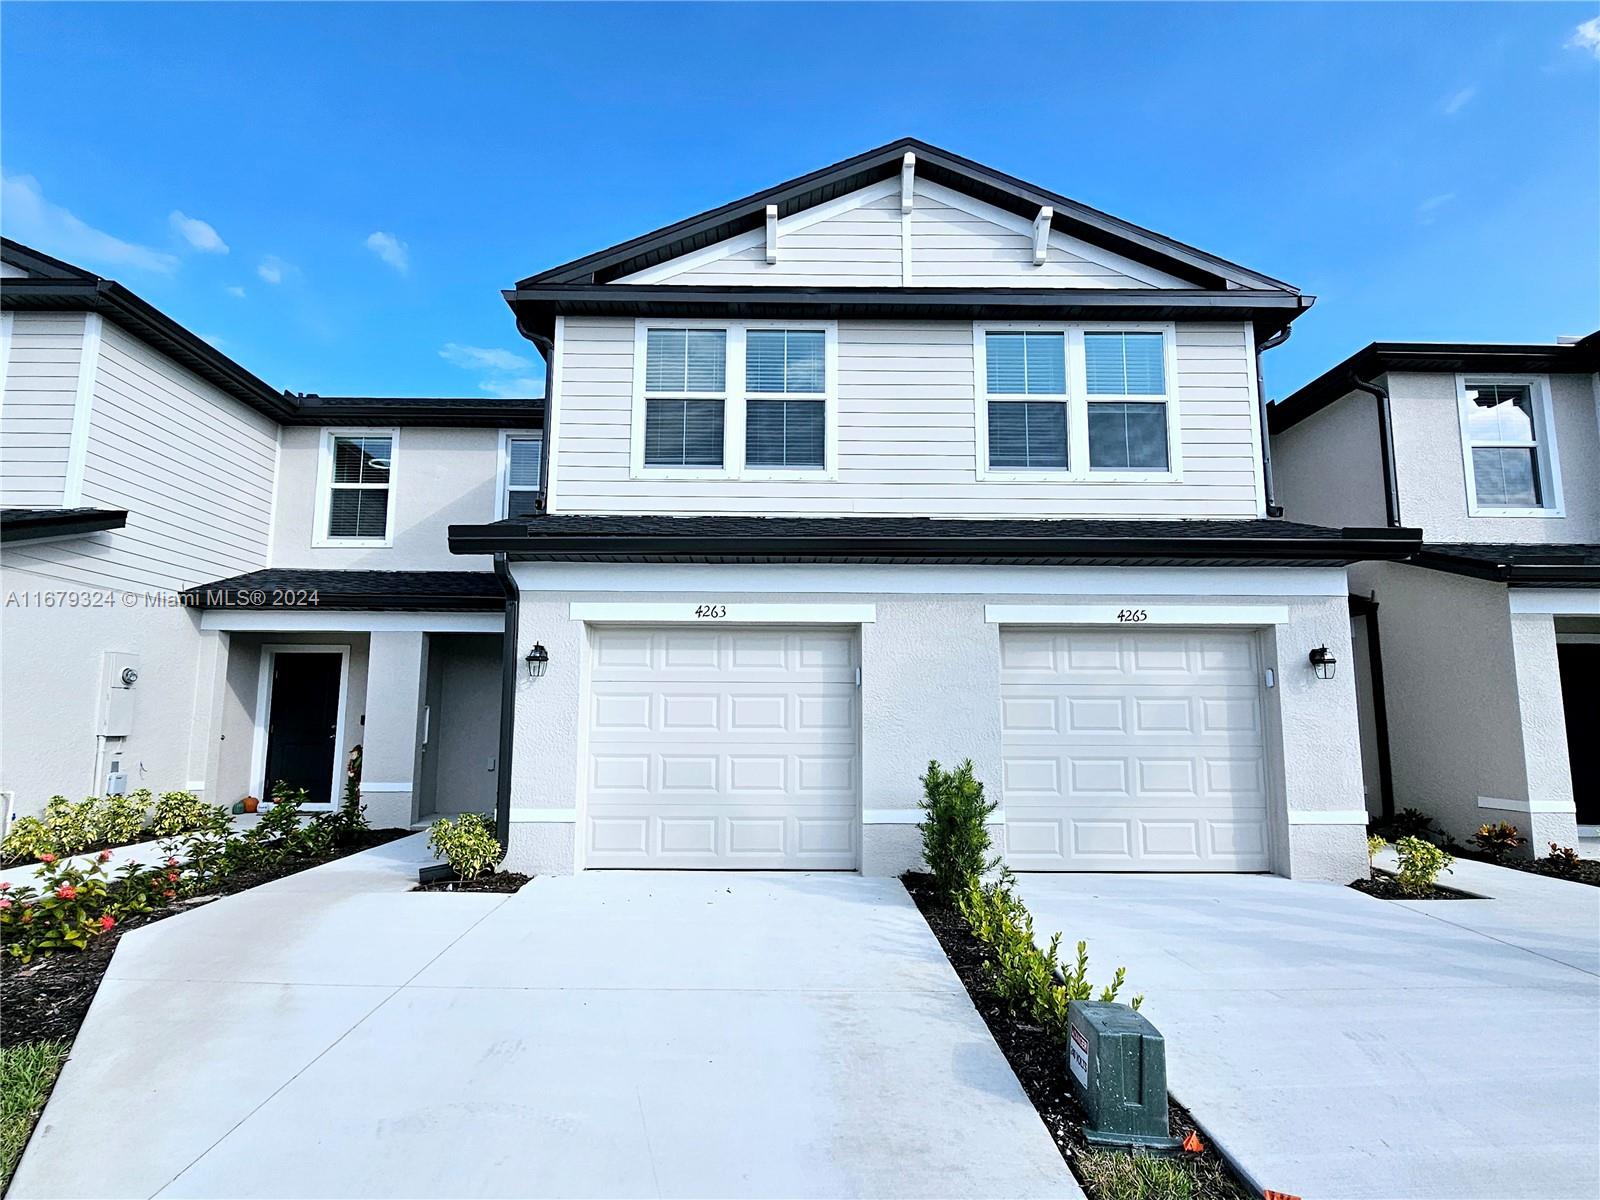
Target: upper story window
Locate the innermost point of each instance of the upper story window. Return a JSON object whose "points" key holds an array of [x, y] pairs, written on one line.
{"points": [[1074, 401], [1128, 433], [789, 432], [1026, 433], [686, 380], [357, 492], [519, 474], [743, 399], [1509, 446]]}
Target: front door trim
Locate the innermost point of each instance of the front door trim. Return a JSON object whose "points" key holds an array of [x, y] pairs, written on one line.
{"points": [[263, 715]]}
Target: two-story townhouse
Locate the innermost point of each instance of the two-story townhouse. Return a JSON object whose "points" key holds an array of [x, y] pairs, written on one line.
{"points": [[214, 585], [907, 459], [1478, 658]]}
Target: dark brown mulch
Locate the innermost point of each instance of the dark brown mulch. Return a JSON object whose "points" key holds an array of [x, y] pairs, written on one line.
{"points": [[1039, 1061], [1585, 870], [48, 997], [500, 881], [1385, 886]]}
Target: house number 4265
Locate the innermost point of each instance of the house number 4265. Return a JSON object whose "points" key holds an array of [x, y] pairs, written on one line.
{"points": [[1132, 616]]}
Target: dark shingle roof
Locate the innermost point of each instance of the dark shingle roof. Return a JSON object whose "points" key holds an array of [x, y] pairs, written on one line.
{"points": [[290, 590], [1519, 564], [31, 524], [927, 540]]}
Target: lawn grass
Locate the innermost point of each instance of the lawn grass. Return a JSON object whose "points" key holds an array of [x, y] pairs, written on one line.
{"points": [[1118, 1175], [27, 1073]]}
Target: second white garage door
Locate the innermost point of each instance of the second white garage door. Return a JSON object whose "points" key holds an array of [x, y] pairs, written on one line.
{"points": [[723, 748], [1133, 751]]}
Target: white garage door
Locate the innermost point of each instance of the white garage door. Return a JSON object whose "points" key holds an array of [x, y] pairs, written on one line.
{"points": [[1133, 751], [730, 748]]}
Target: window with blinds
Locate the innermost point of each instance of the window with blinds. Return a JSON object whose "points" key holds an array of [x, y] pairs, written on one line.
{"points": [[1502, 431], [1128, 433], [358, 499], [1026, 433], [685, 395], [522, 475], [789, 432]]}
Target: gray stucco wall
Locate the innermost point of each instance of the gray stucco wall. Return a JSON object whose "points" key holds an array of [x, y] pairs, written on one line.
{"points": [[931, 689], [1327, 469]]}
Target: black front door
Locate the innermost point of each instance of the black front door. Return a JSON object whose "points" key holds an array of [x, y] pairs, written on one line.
{"points": [[1580, 697], [303, 725]]}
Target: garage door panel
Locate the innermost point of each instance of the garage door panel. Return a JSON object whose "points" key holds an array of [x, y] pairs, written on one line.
{"points": [[743, 753], [1133, 750]]}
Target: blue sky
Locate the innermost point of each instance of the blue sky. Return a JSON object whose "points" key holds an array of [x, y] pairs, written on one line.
{"points": [[336, 194]]}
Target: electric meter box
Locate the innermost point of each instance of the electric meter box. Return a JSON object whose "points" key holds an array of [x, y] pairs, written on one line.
{"points": [[1117, 1061]]}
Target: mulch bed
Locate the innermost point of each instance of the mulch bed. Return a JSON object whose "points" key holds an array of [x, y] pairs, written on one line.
{"points": [[49, 997], [500, 881], [1039, 1061], [28, 860], [1586, 870], [1385, 886]]}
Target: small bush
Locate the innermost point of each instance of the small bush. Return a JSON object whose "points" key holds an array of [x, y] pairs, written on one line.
{"points": [[1029, 981], [71, 824], [28, 838], [1498, 839], [467, 843], [1410, 822], [1374, 844], [955, 838], [117, 820], [1563, 858], [180, 812], [351, 818], [67, 908], [1420, 864]]}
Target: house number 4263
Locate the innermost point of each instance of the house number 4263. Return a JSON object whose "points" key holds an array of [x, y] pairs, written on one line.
{"points": [[1132, 616], [711, 611]]}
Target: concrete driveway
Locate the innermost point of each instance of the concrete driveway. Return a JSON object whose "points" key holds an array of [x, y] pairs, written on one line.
{"points": [[1339, 1046], [609, 1034]]}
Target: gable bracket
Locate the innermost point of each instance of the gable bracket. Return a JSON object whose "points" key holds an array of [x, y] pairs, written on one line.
{"points": [[772, 234], [908, 175], [1041, 235]]}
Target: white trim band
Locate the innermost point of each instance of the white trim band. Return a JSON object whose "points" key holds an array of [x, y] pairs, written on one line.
{"points": [[386, 787], [711, 611], [1341, 816], [547, 816], [891, 816], [297, 620], [1135, 612], [1565, 602], [1527, 806]]}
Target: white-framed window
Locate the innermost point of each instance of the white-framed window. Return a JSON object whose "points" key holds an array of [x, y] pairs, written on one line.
{"points": [[356, 487], [734, 399], [520, 460], [1075, 400], [1508, 445]]}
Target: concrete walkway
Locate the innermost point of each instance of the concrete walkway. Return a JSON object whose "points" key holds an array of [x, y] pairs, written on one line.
{"points": [[1339, 1046], [608, 1034]]}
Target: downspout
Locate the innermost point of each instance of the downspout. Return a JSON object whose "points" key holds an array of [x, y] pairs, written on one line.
{"points": [[547, 348], [1391, 489], [508, 705], [1274, 509]]}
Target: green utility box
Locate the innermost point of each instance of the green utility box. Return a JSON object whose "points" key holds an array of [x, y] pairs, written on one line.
{"points": [[1117, 1061]]}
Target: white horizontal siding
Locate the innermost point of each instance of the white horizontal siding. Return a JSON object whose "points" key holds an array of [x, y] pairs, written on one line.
{"points": [[193, 467], [41, 381], [859, 248], [907, 437]]}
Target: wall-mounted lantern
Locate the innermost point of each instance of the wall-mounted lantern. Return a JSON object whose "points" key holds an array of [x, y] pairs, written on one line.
{"points": [[1323, 662], [537, 659]]}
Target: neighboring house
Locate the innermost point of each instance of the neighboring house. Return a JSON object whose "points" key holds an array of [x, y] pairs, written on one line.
{"points": [[903, 460], [138, 463], [1480, 657]]}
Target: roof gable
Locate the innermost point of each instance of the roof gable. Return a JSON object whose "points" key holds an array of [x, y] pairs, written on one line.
{"points": [[883, 165]]}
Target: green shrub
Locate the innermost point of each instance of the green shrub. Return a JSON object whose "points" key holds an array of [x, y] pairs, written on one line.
{"points": [[1498, 839], [467, 843], [116, 820], [1374, 844], [352, 814], [67, 907], [955, 838], [179, 812], [1563, 858], [1410, 822], [1420, 864], [70, 824], [28, 838], [1029, 981]]}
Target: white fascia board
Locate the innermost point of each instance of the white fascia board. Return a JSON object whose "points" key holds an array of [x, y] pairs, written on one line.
{"points": [[869, 579], [280, 621], [1557, 602], [711, 611], [1526, 806], [1135, 612]]}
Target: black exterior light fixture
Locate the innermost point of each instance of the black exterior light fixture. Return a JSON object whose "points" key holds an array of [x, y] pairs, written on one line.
{"points": [[537, 659], [1323, 662]]}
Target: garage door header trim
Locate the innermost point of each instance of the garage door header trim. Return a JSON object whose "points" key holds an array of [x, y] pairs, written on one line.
{"points": [[711, 612], [1136, 613]]}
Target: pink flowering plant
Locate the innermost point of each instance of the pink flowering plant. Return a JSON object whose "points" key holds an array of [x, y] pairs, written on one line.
{"points": [[69, 905]]}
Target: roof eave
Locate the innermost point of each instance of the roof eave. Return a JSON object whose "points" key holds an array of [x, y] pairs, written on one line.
{"points": [[37, 525]]}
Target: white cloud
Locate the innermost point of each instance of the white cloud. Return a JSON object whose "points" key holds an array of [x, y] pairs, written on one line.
{"points": [[1430, 206], [483, 358], [391, 249], [213, 340], [509, 389], [273, 269], [197, 233], [1587, 37], [1456, 101], [29, 217], [236, 291]]}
